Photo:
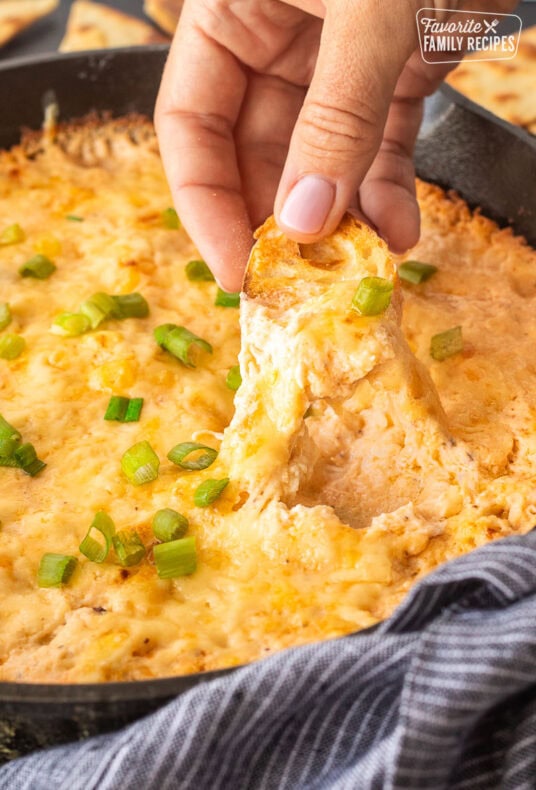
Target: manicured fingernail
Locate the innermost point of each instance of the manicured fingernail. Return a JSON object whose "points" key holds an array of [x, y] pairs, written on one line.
{"points": [[308, 204]]}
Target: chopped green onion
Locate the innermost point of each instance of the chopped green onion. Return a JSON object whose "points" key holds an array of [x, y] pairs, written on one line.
{"points": [[178, 340], [175, 558], [7, 431], [71, 324], [74, 218], [161, 332], [169, 525], [27, 459], [95, 550], [233, 379], [416, 272], [9, 441], [446, 344], [55, 569], [180, 452], [170, 219], [5, 315], [124, 409], [10, 461], [97, 308], [117, 408], [373, 296], [13, 234], [198, 271], [39, 266], [209, 491], [140, 463], [224, 299], [130, 306], [11, 346], [128, 547], [135, 405]]}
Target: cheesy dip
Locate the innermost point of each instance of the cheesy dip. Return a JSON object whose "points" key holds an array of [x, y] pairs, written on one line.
{"points": [[357, 462]]}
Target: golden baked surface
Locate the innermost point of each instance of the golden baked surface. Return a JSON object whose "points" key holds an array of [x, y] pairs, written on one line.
{"points": [[361, 438]]}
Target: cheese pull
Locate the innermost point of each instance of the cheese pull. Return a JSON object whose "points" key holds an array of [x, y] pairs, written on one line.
{"points": [[334, 409]]}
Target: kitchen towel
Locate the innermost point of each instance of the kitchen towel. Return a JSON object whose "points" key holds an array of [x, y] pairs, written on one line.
{"points": [[441, 695]]}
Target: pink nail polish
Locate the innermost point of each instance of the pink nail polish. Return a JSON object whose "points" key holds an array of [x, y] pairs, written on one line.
{"points": [[308, 204]]}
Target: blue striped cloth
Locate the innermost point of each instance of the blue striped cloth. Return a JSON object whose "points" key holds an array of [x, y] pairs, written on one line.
{"points": [[442, 695]]}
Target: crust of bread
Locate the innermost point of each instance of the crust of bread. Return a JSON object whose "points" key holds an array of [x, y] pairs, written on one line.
{"points": [[17, 15], [504, 87], [97, 26], [165, 13]]}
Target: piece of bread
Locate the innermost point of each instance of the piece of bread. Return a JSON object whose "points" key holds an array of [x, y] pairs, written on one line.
{"points": [[505, 87], [97, 26], [17, 15], [164, 12]]}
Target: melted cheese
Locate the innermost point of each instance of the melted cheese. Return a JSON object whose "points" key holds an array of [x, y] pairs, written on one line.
{"points": [[279, 564]]}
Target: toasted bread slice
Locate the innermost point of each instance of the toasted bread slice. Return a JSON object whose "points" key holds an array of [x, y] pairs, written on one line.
{"points": [[318, 376], [17, 15], [164, 12], [505, 87], [97, 26]]}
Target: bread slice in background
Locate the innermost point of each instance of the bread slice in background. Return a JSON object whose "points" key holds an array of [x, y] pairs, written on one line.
{"points": [[164, 12], [505, 87], [96, 26], [17, 15]]}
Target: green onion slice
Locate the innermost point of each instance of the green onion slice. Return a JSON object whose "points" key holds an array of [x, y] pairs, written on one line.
{"points": [[39, 266], [178, 455], [74, 218], [97, 308], [9, 441], [140, 463], [98, 550], [178, 341], [373, 296], [131, 305], [117, 408], [128, 547], [71, 324], [27, 459], [416, 272], [209, 491], [233, 379], [124, 409], [5, 315], [446, 344], [224, 299], [133, 413], [169, 525], [55, 569], [170, 219], [11, 346], [13, 234], [198, 271], [175, 558]]}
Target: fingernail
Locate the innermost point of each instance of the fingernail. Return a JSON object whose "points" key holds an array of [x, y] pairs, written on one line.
{"points": [[308, 204]]}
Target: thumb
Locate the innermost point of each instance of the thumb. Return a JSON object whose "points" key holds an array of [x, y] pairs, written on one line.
{"points": [[364, 47]]}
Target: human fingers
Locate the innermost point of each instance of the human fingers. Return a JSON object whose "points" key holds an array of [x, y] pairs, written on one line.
{"points": [[262, 135], [198, 103], [363, 49]]}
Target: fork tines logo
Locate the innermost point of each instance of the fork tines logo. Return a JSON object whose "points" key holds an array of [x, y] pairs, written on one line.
{"points": [[448, 36]]}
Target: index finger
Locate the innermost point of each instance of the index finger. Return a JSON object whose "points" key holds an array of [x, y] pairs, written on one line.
{"points": [[198, 104]]}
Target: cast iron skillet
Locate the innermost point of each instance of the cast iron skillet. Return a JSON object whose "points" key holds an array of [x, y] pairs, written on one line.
{"points": [[462, 146]]}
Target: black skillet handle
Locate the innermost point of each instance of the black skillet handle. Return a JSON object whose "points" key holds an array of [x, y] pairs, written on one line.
{"points": [[489, 162]]}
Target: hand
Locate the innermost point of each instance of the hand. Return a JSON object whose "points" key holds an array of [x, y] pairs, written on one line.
{"points": [[262, 102]]}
